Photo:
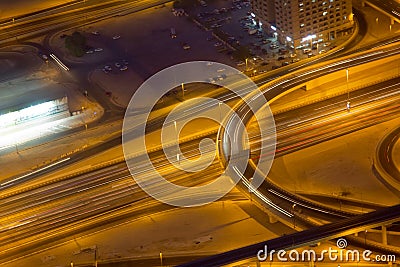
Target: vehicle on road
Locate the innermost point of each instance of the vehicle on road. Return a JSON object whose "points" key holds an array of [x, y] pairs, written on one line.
{"points": [[173, 33], [99, 49], [43, 56], [116, 37], [186, 46]]}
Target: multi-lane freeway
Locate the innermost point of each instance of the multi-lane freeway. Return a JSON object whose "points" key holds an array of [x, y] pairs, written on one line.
{"points": [[274, 89], [54, 211], [77, 15], [51, 212]]}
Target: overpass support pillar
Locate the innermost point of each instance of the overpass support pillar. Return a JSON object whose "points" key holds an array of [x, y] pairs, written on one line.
{"points": [[362, 3], [391, 21], [272, 218], [356, 234], [384, 235]]}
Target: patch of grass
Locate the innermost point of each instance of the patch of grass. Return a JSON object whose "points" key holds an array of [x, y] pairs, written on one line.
{"points": [[76, 44]]}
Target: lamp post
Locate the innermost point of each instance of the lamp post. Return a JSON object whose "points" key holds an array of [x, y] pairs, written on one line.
{"points": [[294, 215], [183, 90], [176, 129], [348, 92], [95, 256], [219, 109], [177, 143]]}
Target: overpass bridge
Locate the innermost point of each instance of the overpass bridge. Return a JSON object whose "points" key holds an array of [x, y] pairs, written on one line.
{"points": [[311, 236], [391, 8]]}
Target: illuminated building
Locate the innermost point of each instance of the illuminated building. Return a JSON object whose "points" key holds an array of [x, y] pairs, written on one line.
{"points": [[27, 121], [299, 23], [30, 113]]}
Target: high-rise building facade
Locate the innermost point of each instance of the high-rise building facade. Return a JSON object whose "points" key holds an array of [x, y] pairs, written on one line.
{"points": [[299, 23]]}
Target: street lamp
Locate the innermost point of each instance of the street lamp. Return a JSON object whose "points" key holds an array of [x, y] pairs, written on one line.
{"points": [[220, 114], [175, 127], [177, 143], [183, 89], [348, 92], [95, 256], [365, 238], [294, 215]]}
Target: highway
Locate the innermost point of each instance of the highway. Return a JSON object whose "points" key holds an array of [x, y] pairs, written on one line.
{"points": [[76, 15], [44, 221], [295, 131], [50, 213], [270, 91], [47, 224], [57, 210]]}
